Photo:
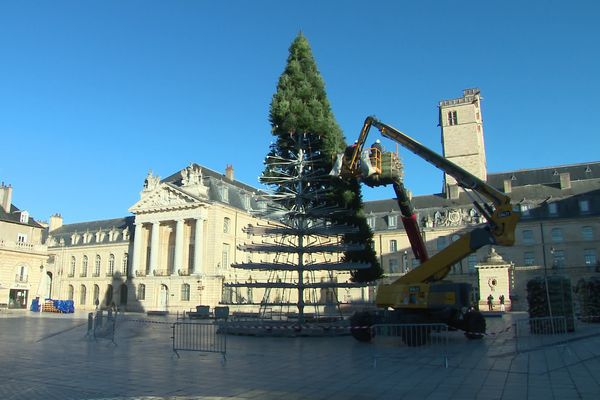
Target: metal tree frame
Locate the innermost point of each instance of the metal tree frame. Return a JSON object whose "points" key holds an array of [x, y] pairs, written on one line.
{"points": [[301, 229]]}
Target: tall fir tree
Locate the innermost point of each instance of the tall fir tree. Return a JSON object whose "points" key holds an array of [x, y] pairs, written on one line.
{"points": [[300, 106]]}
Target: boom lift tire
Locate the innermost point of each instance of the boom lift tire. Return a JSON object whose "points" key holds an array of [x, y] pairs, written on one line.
{"points": [[360, 325], [474, 325]]}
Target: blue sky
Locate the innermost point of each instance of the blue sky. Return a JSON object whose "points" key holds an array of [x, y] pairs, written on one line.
{"points": [[93, 94]]}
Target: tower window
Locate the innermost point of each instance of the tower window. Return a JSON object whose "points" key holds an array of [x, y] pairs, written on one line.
{"points": [[452, 118]]}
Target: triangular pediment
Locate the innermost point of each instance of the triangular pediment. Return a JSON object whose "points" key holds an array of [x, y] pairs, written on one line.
{"points": [[164, 197]]}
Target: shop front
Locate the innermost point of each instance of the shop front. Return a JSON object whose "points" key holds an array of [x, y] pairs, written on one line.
{"points": [[18, 296]]}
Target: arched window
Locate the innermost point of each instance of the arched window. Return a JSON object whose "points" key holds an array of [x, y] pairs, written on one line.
{"points": [[97, 265], [72, 267], [111, 265], [82, 295], [109, 295], [21, 275], [124, 264], [226, 225], [141, 292], [70, 292], [84, 266], [96, 294], [185, 292]]}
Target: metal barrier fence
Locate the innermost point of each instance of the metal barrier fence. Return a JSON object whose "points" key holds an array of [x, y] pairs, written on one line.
{"points": [[532, 333], [425, 338], [203, 337]]}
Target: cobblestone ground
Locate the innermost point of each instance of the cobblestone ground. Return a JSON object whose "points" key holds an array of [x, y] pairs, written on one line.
{"points": [[48, 356]]}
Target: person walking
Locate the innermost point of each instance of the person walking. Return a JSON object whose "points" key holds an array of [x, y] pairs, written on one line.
{"points": [[490, 301], [501, 298]]}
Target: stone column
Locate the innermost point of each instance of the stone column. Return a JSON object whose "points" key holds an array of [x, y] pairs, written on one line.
{"points": [[179, 246], [198, 246], [137, 248], [154, 247]]}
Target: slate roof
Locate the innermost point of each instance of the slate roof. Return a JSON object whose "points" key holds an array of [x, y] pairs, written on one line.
{"points": [[535, 188], [66, 231], [14, 216]]}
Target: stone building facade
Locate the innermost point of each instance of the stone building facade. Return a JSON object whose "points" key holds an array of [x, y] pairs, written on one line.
{"points": [[23, 256]]}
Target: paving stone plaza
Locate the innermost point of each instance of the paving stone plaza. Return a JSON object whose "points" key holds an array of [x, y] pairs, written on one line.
{"points": [[48, 356]]}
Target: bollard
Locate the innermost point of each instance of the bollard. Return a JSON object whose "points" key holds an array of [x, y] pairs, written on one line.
{"points": [[90, 323]]}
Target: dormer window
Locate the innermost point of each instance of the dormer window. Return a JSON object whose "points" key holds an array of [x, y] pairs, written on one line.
{"points": [[371, 222], [24, 219], [245, 201], [524, 210], [392, 221], [225, 194], [126, 234]]}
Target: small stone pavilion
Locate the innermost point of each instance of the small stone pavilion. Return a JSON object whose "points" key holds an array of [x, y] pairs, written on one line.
{"points": [[495, 277]]}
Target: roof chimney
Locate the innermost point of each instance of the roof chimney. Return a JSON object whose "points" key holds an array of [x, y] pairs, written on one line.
{"points": [[56, 222], [229, 172], [5, 197], [565, 180]]}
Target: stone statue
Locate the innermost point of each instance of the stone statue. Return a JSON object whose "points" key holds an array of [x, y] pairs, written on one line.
{"points": [[191, 176], [151, 181]]}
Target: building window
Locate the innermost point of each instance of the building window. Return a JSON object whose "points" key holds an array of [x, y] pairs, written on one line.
{"points": [[524, 209], [590, 258], [111, 265], [371, 222], [24, 218], [21, 275], [452, 118], [124, 269], [97, 265], [527, 236], [528, 258], [226, 224], [185, 292], [72, 267], [557, 234], [21, 238], [84, 266], [70, 292], [553, 209], [249, 295], [96, 295], [415, 263], [441, 242], [587, 233], [471, 262], [82, 295], [225, 256], [393, 246], [392, 221], [584, 206], [394, 265], [141, 292], [225, 194], [558, 260]]}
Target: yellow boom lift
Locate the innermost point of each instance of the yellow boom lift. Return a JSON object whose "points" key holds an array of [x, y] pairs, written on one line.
{"points": [[422, 295]]}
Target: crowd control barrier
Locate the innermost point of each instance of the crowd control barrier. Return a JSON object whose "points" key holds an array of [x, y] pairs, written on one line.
{"points": [[203, 337], [537, 332]]}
